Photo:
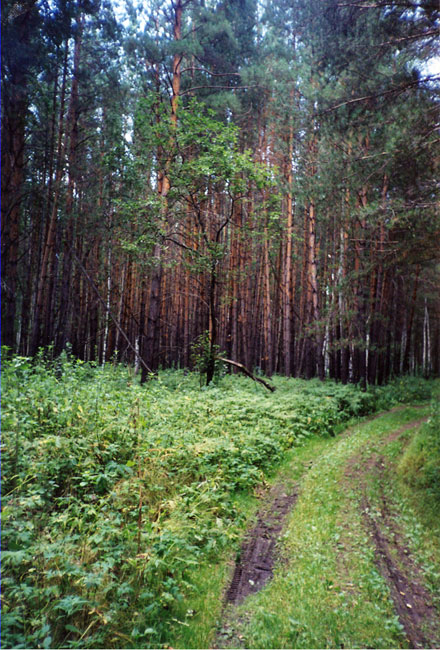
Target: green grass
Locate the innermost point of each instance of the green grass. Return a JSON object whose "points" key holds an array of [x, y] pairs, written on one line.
{"points": [[118, 498], [420, 464], [328, 591]]}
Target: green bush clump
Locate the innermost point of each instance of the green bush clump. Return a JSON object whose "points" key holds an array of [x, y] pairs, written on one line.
{"points": [[113, 493], [403, 390], [420, 465]]}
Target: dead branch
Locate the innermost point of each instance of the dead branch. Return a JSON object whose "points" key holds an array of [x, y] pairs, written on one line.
{"points": [[247, 372]]}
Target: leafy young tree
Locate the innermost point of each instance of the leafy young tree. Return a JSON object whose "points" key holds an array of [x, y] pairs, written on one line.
{"points": [[208, 176]]}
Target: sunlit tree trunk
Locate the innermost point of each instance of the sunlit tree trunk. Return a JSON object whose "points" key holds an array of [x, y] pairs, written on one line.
{"points": [[72, 129]]}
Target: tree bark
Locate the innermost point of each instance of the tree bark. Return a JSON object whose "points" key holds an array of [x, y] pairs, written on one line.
{"points": [[50, 239], [14, 115], [287, 271]]}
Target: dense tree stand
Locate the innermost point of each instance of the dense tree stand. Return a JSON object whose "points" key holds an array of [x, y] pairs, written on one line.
{"points": [[266, 175]]}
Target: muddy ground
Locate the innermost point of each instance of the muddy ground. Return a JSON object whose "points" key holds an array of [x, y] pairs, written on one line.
{"points": [[256, 559]]}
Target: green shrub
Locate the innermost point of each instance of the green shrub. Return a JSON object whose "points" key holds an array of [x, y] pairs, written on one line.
{"points": [[113, 493], [420, 465], [403, 390]]}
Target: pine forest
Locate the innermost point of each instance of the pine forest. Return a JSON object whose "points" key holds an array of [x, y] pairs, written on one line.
{"points": [[258, 175]]}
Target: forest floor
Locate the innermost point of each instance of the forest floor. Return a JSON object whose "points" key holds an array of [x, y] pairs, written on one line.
{"points": [[163, 516], [341, 553]]}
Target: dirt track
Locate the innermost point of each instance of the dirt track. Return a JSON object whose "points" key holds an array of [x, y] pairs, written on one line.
{"points": [[412, 601], [255, 562], [254, 566]]}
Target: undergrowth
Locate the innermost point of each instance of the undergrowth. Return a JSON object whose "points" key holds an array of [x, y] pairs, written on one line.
{"points": [[420, 464], [113, 494]]}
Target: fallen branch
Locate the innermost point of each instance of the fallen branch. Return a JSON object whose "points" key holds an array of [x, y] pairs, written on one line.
{"points": [[247, 372]]}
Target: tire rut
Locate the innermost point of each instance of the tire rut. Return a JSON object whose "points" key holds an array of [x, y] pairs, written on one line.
{"points": [[412, 601], [257, 556], [254, 567]]}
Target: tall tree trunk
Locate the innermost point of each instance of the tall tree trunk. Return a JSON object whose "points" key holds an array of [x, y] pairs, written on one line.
{"points": [[15, 103], [44, 279], [12, 163], [267, 309], [316, 340], [153, 324], [212, 323], [287, 271], [410, 322], [72, 130]]}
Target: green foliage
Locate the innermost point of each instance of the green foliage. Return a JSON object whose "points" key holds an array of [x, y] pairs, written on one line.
{"points": [[403, 389], [202, 160], [202, 353], [113, 493], [420, 465]]}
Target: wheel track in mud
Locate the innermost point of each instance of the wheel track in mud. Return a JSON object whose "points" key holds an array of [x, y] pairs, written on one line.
{"points": [[254, 565], [412, 601], [257, 557]]}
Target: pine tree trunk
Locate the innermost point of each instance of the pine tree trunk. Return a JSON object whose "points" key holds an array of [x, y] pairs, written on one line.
{"points": [[12, 167], [45, 276], [409, 329], [72, 129], [267, 309], [287, 271]]}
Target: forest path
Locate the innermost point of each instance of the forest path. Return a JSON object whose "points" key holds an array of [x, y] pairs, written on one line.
{"points": [[347, 572], [401, 571]]}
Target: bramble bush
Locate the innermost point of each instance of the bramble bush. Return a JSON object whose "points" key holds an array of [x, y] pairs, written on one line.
{"points": [[114, 493]]}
